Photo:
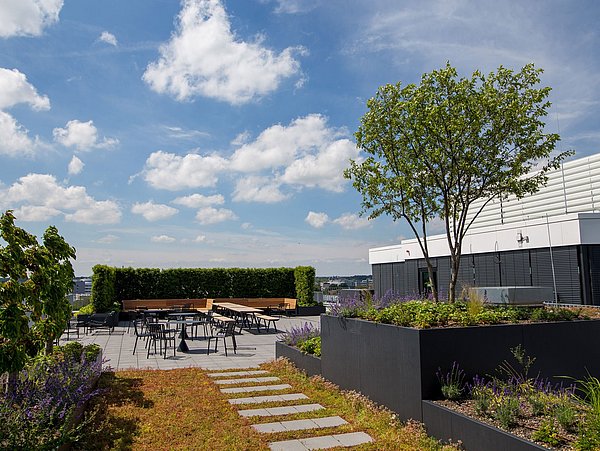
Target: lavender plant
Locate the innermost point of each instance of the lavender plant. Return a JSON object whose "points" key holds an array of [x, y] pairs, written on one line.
{"points": [[298, 334], [41, 409], [452, 382]]}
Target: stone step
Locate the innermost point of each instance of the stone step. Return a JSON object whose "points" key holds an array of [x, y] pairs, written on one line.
{"points": [[323, 442], [238, 373], [286, 410], [256, 380], [299, 425], [256, 388], [269, 398]]}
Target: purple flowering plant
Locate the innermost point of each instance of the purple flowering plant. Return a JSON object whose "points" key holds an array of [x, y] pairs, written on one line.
{"points": [[298, 334], [42, 407]]}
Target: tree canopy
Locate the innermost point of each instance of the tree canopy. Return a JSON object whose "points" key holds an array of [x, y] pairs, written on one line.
{"points": [[34, 281], [435, 148]]}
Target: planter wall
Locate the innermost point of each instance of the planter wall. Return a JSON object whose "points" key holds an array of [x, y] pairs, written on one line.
{"points": [[306, 362], [445, 424], [396, 366]]}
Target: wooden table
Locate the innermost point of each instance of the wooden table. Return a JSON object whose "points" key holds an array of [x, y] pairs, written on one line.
{"points": [[242, 311]]}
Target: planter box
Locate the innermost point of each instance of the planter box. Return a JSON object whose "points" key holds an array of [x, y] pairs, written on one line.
{"points": [[310, 364], [445, 424], [310, 310], [396, 366]]}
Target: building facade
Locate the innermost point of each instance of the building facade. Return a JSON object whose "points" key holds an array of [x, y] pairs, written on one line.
{"points": [[548, 239]]}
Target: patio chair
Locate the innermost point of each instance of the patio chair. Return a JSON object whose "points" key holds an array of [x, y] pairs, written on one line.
{"points": [[103, 321], [227, 330], [158, 332], [140, 332]]}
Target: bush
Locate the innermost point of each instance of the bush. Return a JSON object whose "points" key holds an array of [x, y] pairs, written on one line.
{"points": [[311, 346], [305, 281], [306, 338], [103, 288], [41, 408], [86, 309]]}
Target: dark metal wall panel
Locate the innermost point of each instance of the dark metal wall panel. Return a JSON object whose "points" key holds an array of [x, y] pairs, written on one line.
{"points": [[541, 268], [398, 278], [443, 276], [487, 270], [412, 278], [594, 273], [566, 268], [514, 268]]}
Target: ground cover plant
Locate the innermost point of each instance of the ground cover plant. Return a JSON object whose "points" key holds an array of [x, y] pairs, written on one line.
{"points": [[424, 313], [41, 407], [184, 409], [306, 337], [564, 416]]}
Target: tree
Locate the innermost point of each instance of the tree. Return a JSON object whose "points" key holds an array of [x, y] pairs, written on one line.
{"points": [[436, 148], [34, 282]]}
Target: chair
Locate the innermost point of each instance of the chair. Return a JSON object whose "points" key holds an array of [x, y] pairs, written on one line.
{"points": [[140, 332], [72, 327], [158, 332], [103, 321], [82, 320], [227, 330]]}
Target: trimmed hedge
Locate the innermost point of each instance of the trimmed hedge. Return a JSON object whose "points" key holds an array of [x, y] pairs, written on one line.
{"points": [[118, 284], [305, 283]]}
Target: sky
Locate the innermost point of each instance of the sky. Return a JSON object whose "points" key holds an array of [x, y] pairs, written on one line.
{"points": [[214, 133]]}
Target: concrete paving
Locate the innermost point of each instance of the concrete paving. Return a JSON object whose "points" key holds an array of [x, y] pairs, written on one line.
{"points": [[253, 348]]}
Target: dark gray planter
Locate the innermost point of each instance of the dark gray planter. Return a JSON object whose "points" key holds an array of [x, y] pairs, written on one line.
{"points": [[396, 366], [445, 424], [310, 310], [310, 364]]}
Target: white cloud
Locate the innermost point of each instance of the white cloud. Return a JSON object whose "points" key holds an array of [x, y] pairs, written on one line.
{"points": [[27, 17], [153, 212], [325, 169], [83, 136], [200, 239], [350, 221], [278, 145], [75, 166], [295, 6], [162, 239], [108, 38], [15, 89], [204, 57], [42, 197], [14, 140], [108, 239], [316, 220], [258, 189], [172, 172], [35, 213], [210, 215], [199, 200], [246, 226], [241, 138]]}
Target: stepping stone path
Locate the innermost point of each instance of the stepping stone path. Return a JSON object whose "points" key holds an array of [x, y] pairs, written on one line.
{"points": [[302, 444]]}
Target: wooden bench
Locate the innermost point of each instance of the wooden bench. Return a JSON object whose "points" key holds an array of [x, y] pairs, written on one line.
{"points": [[267, 320], [166, 304], [284, 305]]}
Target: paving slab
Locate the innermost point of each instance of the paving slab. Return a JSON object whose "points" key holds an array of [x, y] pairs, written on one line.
{"points": [[256, 380], [256, 388], [286, 410], [268, 398], [238, 373], [299, 425], [323, 442]]}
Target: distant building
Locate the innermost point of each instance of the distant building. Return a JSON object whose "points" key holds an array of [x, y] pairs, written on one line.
{"points": [[549, 239], [82, 291]]}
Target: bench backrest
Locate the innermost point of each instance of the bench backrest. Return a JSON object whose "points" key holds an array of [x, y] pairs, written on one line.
{"points": [[287, 303], [132, 304]]}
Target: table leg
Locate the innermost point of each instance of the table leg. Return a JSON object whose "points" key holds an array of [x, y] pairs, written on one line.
{"points": [[183, 347]]}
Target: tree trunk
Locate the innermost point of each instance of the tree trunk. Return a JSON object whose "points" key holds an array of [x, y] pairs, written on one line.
{"points": [[454, 265], [434, 291]]}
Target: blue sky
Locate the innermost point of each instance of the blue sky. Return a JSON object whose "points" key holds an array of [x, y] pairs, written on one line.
{"points": [[205, 133]]}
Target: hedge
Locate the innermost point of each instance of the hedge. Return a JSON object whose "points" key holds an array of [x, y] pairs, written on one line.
{"points": [[116, 284]]}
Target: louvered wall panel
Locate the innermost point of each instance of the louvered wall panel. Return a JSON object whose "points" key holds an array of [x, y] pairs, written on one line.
{"points": [[567, 275], [594, 261], [412, 278], [514, 267], [443, 276], [541, 268], [399, 278], [376, 271], [487, 270]]}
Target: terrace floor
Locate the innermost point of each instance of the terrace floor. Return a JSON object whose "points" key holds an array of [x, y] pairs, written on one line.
{"points": [[253, 348]]}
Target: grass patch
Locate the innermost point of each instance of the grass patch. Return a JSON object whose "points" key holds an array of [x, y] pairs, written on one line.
{"points": [[183, 409]]}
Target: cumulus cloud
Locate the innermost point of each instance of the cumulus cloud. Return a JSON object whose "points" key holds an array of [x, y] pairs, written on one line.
{"points": [[351, 221], [38, 197], [153, 212], [200, 239], [258, 189], [82, 136], [172, 172], [27, 17], [75, 166], [211, 215], [316, 220], [108, 239], [108, 38], [204, 57], [162, 239], [199, 200], [14, 139], [15, 89]]}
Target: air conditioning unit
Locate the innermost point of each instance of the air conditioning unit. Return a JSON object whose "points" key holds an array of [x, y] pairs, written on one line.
{"points": [[515, 295]]}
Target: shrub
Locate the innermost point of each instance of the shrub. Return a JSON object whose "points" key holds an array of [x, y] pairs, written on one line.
{"points": [[452, 382], [311, 346], [305, 282], [507, 410], [40, 409], [547, 433], [305, 337], [103, 288], [565, 414], [86, 309]]}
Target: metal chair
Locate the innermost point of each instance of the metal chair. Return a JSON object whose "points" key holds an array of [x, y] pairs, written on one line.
{"points": [[227, 330], [158, 332], [140, 332]]}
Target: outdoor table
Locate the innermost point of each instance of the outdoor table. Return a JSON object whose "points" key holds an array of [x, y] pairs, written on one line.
{"points": [[183, 347], [242, 311]]}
